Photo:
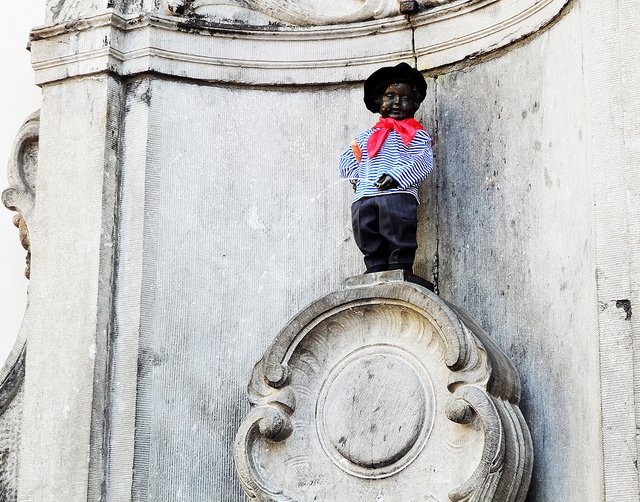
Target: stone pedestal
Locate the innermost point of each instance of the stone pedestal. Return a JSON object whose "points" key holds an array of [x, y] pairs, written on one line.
{"points": [[382, 391]]}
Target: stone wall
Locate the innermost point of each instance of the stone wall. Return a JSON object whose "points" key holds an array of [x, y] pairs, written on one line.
{"points": [[513, 219], [11, 398], [186, 210], [259, 227]]}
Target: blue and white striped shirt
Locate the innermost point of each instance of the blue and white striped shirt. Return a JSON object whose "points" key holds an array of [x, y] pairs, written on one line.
{"points": [[408, 165]]}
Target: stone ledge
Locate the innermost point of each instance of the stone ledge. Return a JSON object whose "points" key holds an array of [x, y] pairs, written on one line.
{"points": [[282, 55], [383, 277]]}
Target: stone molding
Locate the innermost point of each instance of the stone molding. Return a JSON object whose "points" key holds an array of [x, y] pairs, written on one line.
{"points": [[465, 392], [227, 53]]}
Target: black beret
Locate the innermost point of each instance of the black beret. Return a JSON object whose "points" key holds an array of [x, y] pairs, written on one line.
{"points": [[401, 73]]}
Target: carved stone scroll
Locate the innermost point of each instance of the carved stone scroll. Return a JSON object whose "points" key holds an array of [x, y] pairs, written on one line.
{"points": [[22, 169], [383, 391]]}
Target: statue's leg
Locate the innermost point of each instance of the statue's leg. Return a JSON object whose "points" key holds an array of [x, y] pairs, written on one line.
{"points": [[366, 231], [398, 226]]}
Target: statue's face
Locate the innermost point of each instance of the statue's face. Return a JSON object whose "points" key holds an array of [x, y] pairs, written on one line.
{"points": [[398, 102]]}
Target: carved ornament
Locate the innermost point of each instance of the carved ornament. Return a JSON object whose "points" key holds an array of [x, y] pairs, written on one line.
{"points": [[22, 170], [383, 391], [293, 12]]}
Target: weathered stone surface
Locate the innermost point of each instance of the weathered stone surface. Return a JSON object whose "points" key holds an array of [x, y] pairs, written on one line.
{"points": [[513, 222], [613, 145], [12, 377], [69, 316], [203, 237], [296, 12], [383, 391], [118, 40], [60, 11], [275, 13], [10, 427], [246, 224]]}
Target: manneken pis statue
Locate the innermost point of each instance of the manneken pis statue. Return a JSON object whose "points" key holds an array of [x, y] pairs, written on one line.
{"points": [[385, 164]]}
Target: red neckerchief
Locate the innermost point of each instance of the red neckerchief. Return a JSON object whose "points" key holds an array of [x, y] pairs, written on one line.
{"points": [[405, 128]]}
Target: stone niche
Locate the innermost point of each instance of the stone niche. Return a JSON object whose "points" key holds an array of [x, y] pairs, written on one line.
{"points": [[383, 391]]}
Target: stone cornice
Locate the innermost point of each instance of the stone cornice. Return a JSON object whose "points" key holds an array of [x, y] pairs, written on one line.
{"points": [[194, 48]]}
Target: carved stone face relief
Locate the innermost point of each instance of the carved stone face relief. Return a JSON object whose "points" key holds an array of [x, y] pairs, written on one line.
{"points": [[22, 171], [297, 12]]}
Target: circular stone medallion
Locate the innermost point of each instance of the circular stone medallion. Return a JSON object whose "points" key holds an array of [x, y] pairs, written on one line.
{"points": [[375, 411]]}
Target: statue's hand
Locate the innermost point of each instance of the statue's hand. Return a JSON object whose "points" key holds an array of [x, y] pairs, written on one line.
{"points": [[386, 182]]}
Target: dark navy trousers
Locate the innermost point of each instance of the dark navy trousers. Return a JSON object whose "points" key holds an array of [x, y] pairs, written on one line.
{"points": [[384, 228]]}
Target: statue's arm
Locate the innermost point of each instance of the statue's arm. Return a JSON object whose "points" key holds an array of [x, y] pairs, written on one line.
{"points": [[348, 165], [412, 169]]}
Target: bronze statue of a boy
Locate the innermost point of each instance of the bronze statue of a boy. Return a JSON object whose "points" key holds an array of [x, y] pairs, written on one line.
{"points": [[386, 163]]}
